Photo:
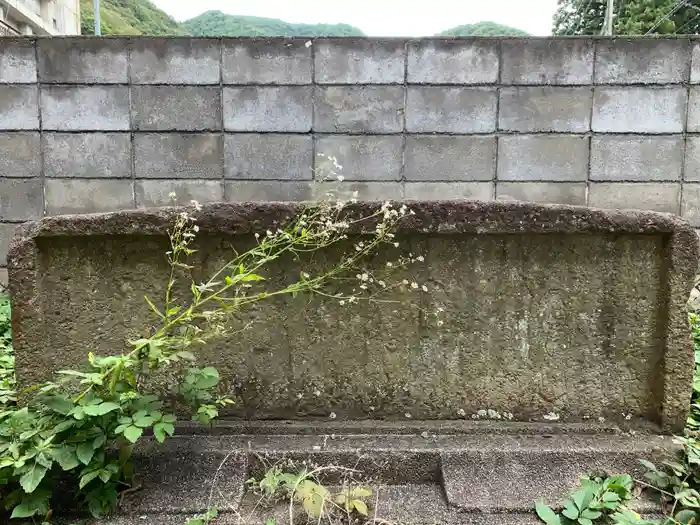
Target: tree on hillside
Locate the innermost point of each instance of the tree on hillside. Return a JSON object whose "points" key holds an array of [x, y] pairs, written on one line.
{"points": [[483, 29], [632, 17]]}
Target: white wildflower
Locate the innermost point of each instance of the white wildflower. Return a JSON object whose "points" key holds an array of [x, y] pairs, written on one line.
{"points": [[195, 228], [172, 195], [414, 285], [551, 416], [268, 233], [257, 235], [332, 415], [390, 264], [405, 282], [382, 284], [305, 275], [317, 392], [440, 322], [308, 44], [628, 417], [365, 276], [196, 205], [601, 419], [461, 412], [408, 415], [342, 303], [420, 258], [300, 395], [424, 288], [396, 245]]}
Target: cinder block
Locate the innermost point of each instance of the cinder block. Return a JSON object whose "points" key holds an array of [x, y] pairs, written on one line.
{"points": [[183, 108], [451, 110], [695, 62], [175, 61], [3, 277], [630, 158], [654, 196], [359, 61], [691, 170], [261, 191], [546, 61], [17, 61], [638, 110], [85, 108], [359, 109], [20, 155], [87, 155], [19, 107], [176, 156], [266, 61], [20, 199], [572, 193], [7, 232], [268, 156], [693, 124], [559, 109], [362, 191], [690, 207], [543, 158], [453, 62], [363, 158], [67, 196], [449, 158], [83, 60], [479, 191], [642, 61], [249, 109], [153, 193]]}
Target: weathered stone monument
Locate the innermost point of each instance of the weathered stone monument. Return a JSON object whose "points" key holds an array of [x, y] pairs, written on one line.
{"points": [[563, 350]]}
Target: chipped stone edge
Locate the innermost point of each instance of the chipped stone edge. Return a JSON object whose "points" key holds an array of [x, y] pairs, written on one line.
{"points": [[680, 257]]}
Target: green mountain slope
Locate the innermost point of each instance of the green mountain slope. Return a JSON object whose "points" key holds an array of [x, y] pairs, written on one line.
{"points": [[484, 29], [128, 17], [216, 23]]}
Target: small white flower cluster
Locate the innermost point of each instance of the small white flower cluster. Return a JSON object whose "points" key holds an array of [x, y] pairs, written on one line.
{"points": [[489, 413], [552, 416]]}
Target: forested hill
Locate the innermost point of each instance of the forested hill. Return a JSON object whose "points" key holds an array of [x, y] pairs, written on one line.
{"points": [[484, 29], [216, 23], [128, 17], [142, 17]]}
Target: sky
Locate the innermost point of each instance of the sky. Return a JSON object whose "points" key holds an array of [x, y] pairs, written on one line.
{"points": [[382, 17]]}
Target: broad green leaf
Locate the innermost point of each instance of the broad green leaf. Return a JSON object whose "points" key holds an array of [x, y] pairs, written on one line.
{"points": [[685, 516], [24, 510], [571, 512], [101, 409], [610, 497], [66, 457], [30, 480], [59, 404], [133, 433], [585, 521], [85, 452], [168, 418], [105, 475], [582, 498], [546, 514], [143, 421], [360, 492], [360, 506], [161, 429], [87, 478], [591, 514]]}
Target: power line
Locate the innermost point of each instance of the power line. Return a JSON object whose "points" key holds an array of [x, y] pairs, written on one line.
{"points": [[668, 15], [680, 30]]}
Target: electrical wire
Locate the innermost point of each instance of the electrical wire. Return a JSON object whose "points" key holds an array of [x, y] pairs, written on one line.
{"points": [[668, 15]]}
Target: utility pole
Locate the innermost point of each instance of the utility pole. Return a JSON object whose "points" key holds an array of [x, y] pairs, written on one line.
{"points": [[609, 18], [96, 8]]}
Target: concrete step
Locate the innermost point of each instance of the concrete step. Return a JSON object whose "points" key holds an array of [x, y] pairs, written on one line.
{"points": [[417, 479]]}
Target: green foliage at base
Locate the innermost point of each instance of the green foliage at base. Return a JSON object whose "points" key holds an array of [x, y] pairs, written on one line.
{"points": [[128, 17], [484, 29], [216, 23]]}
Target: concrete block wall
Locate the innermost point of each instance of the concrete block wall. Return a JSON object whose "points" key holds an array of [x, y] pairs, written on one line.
{"points": [[91, 125]]}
